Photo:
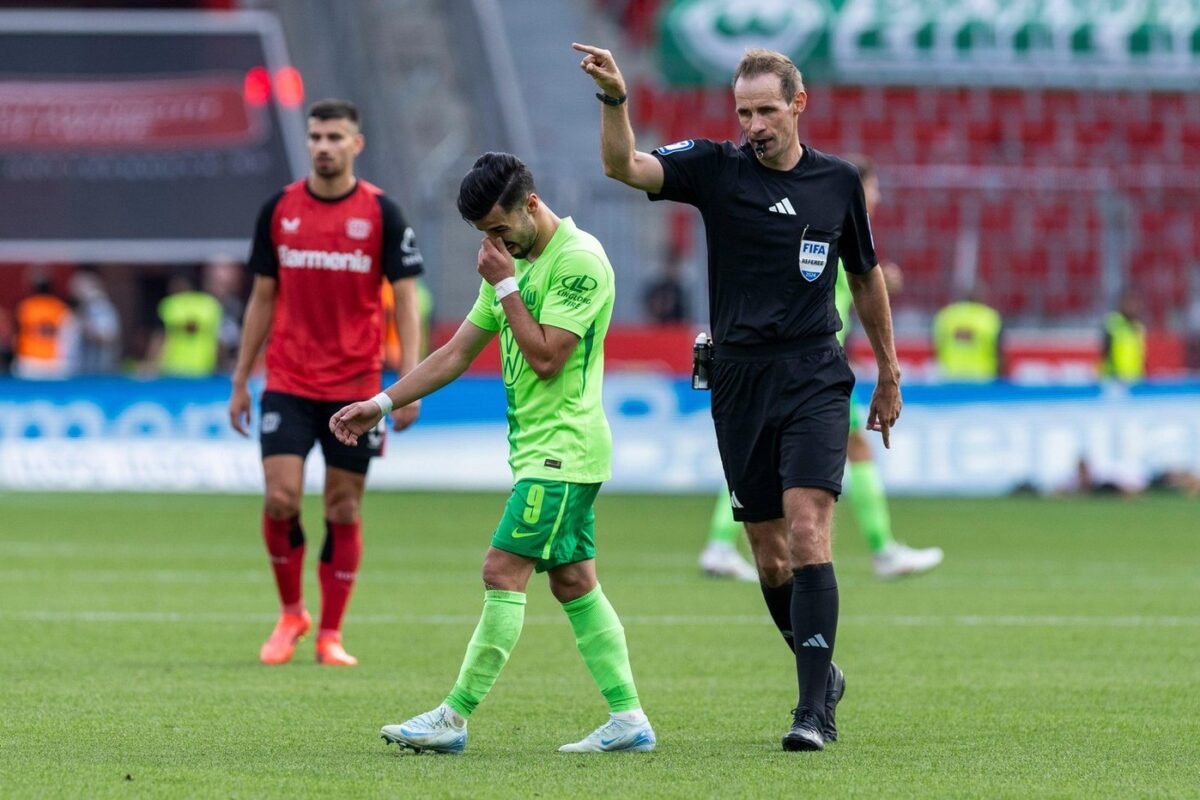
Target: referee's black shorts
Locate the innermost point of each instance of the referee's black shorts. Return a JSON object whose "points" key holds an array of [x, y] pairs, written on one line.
{"points": [[291, 424], [782, 415]]}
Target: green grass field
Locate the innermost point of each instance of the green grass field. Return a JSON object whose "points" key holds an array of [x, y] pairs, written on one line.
{"points": [[1055, 654]]}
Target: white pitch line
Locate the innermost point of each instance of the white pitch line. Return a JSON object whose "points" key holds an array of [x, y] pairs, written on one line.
{"points": [[664, 620]]}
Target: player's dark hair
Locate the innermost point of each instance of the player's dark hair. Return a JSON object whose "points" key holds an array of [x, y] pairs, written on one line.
{"points": [[495, 178], [760, 61], [333, 108], [864, 165]]}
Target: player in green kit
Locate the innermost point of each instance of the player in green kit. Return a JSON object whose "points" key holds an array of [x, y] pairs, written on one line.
{"points": [[890, 558], [548, 291]]}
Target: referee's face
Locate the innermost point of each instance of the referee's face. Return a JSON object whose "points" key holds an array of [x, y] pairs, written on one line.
{"points": [[515, 228], [332, 146], [768, 120]]}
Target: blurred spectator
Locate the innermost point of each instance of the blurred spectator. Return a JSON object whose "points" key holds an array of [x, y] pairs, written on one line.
{"points": [[391, 335], [1127, 480], [1123, 352], [6, 341], [1192, 324], [966, 340], [223, 280], [44, 331], [97, 331], [186, 345], [666, 299]]}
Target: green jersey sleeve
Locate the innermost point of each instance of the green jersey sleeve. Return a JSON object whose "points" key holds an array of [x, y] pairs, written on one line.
{"points": [[843, 300], [482, 313], [579, 287]]}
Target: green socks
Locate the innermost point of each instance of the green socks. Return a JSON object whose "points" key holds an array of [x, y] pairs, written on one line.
{"points": [[494, 639], [724, 528], [601, 641], [598, 635], [869, 502]]}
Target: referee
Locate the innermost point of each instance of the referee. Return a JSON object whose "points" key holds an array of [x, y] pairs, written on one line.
{"points": [[778, 215]]}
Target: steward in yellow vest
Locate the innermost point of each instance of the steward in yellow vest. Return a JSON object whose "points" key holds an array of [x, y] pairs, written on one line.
{"points": [[966, 341]]}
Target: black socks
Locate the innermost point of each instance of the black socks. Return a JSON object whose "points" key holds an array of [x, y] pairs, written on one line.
{"points": [[779, 603], [814, 615]]}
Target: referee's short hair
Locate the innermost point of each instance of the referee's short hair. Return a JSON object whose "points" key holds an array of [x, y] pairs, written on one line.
{"points": [[495, 178], [333, 108], [760, 61]]}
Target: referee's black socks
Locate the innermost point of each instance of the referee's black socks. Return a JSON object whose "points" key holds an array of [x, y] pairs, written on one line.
{"points": [[779, 603], [814, 606]]}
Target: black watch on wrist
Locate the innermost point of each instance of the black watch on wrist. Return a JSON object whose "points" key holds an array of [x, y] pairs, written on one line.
{"points": [[611, 101]]}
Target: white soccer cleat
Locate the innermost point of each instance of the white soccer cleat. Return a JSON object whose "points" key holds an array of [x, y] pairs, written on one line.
{"points": [[722, 560], [898, 560], [436, 731], [616, 736]]}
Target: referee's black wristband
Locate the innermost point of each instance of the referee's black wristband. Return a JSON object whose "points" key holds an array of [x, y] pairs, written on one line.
{"points": [[611, 101]]}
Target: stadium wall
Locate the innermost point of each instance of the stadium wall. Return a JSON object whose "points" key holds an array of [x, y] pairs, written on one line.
{"points": [[173, 435]]}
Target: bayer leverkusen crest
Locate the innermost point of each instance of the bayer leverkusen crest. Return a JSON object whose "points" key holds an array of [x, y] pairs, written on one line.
{"points": [[358, 228]]}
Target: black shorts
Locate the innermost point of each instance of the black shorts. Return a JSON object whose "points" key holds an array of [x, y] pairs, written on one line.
{"points": [[292, 424], [782, 414]]}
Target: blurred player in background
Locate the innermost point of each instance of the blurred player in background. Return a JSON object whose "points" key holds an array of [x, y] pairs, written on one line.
{"points": [[321, 248], [548, 292]]}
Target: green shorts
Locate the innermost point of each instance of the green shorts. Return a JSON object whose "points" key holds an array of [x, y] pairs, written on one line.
{"points": [[550, 521]]}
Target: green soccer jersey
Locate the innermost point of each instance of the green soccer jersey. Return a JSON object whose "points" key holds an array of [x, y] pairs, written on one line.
{"points": [[842, 299], [556, 428]]}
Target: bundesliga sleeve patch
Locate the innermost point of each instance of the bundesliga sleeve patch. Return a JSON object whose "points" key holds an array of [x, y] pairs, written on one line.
{"points": [[678, 147]]}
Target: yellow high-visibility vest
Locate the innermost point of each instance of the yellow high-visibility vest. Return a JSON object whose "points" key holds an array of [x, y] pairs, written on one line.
{"points": [[1126, 357], [191, 322], [965, 338]]}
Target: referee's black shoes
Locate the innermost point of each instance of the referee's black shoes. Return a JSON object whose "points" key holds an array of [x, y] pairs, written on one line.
{"points": [[834, 691], [805, 733]]}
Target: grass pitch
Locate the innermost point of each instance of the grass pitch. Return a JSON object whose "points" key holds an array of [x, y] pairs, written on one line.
{"points": [[1054, 654]]}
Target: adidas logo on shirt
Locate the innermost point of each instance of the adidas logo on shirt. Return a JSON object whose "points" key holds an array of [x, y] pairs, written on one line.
{"points": [[816, 641], [784, 206]]}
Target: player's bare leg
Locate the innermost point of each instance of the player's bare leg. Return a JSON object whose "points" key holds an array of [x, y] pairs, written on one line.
{"points": [[340, 558], [284, 536]]}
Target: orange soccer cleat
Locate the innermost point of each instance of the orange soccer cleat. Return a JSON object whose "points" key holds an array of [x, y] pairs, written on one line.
{"points": [[331, 653], [278, 648]]}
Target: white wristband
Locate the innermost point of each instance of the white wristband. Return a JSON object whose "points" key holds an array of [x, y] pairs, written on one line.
{"points": [[506, 287], [384, 402]]}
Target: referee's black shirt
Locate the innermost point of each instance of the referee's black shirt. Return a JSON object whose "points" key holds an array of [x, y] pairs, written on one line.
{"points": [[774, 238]]}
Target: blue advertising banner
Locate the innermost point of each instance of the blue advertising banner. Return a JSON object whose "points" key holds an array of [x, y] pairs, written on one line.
{"points": [[174, 434]]}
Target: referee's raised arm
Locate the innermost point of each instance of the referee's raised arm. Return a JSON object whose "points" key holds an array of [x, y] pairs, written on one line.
{"points": [[617, 152]]}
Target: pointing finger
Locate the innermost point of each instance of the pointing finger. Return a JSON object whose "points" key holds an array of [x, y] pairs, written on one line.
{"points": [[587, 48]]}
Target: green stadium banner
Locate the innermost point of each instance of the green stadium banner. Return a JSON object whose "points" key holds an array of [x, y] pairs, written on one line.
{"points": [[1071, 43]]}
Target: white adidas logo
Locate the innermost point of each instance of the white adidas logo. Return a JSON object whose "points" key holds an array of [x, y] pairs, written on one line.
{"points": [[784, 206], [816, 641], [733, 501]]}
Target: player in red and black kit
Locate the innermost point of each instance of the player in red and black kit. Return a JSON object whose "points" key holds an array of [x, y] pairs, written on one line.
{"points": [[321, 248]]}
